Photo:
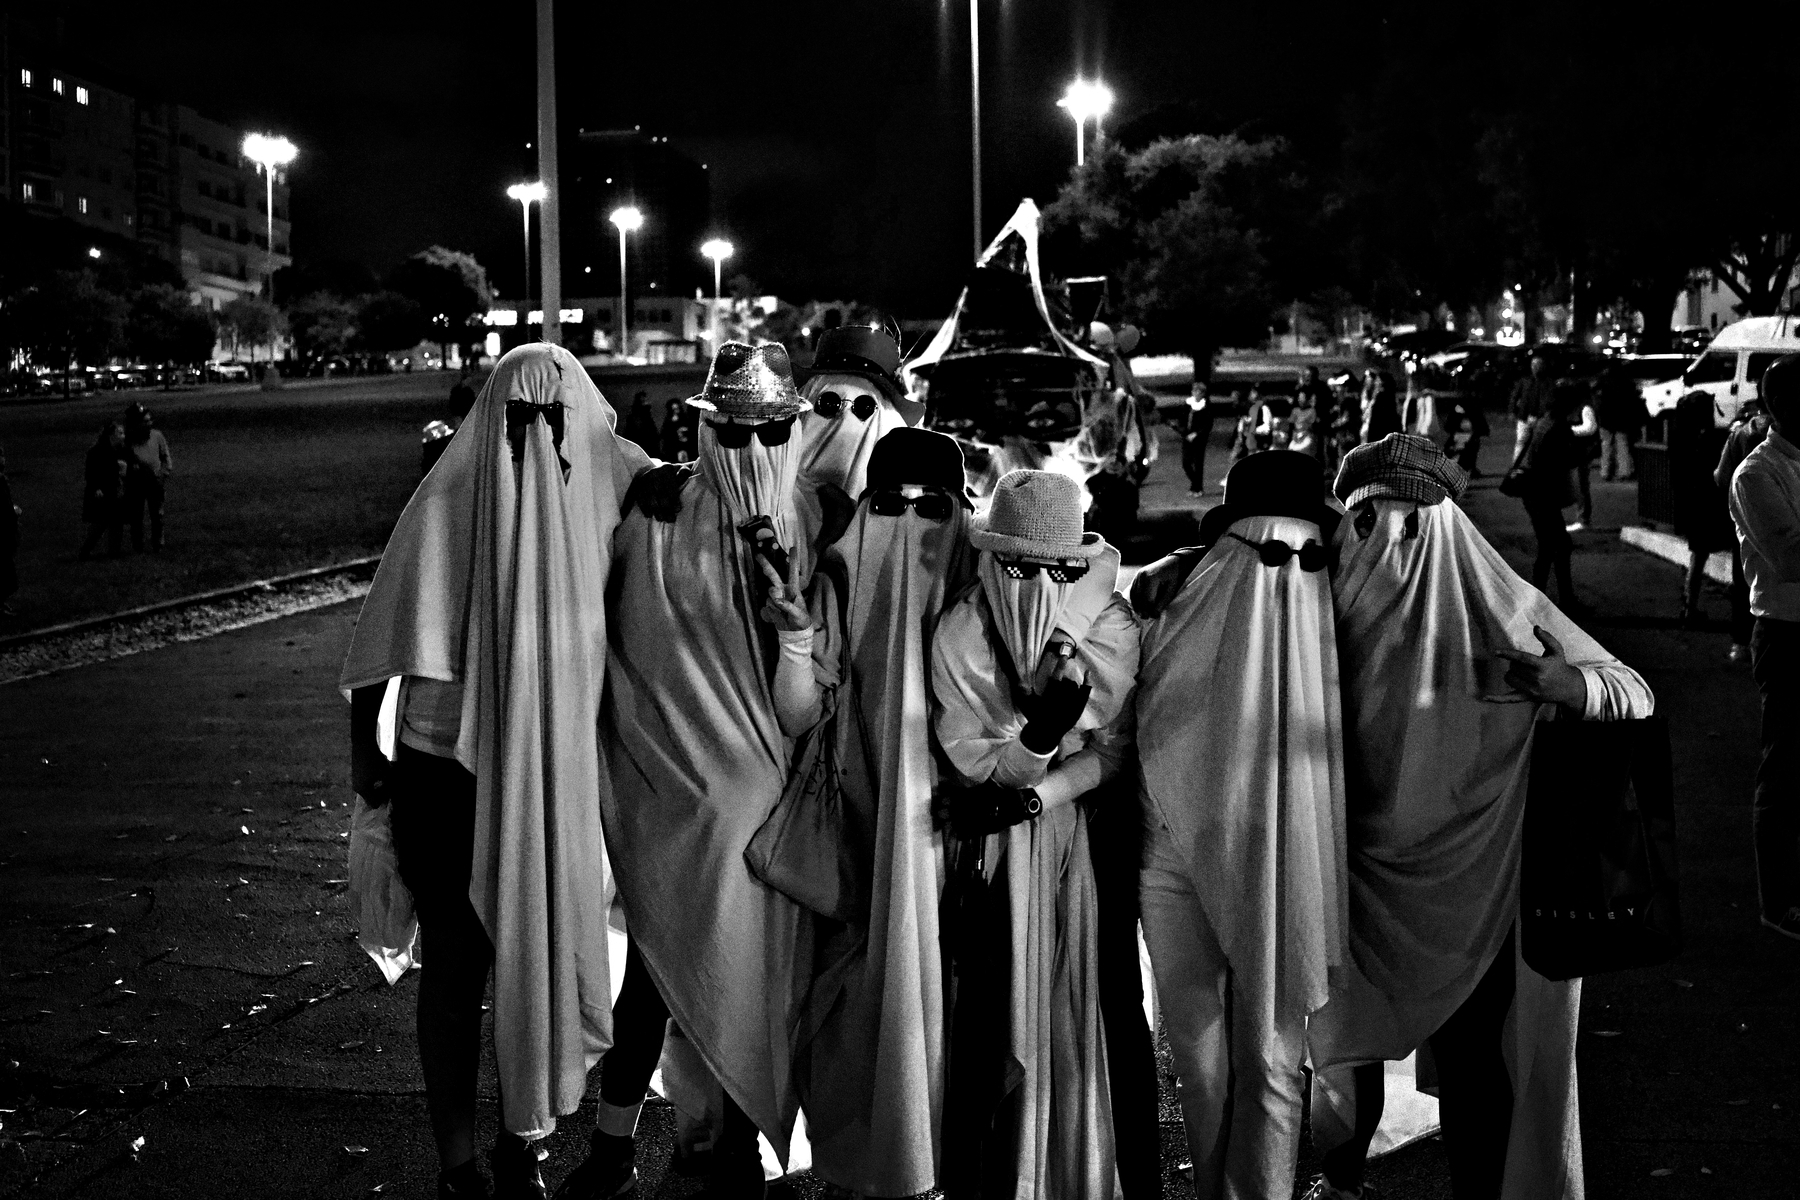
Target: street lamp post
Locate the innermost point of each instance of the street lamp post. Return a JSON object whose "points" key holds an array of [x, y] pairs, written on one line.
{"points": [[629, 220], [269, 151], [718, 249], [525, 193], [1084, 100], [975, 111]]}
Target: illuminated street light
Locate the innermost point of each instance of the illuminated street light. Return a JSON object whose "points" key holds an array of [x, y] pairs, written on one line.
{"points": [[93, 252], [718, 249], [1084, 100], [629, 220], [269, 151], [525, 193]]}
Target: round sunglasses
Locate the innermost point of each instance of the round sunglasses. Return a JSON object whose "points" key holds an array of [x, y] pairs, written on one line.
{"points": [[933, 506], [1067, 571], [831, 404], [1313, 557], [736, 437]]}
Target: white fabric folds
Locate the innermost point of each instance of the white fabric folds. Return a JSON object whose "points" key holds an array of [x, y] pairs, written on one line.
{"points": [[873, 1081], [1240, 741], [836, 450], [1437, 775], [697, 762], [495, 578]]}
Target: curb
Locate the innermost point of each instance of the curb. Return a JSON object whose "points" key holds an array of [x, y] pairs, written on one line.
{"points": [[1674, 548], [166, 606]]}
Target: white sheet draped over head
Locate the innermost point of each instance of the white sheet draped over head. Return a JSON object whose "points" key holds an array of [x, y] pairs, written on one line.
{"points": [[1437, 785], [495, 578], [875, 1086], [837, 449], [753, 480], [1241, 748]]}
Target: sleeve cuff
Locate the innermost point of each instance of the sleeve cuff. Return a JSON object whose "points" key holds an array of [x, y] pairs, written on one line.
{"points": [[1593, 708]]}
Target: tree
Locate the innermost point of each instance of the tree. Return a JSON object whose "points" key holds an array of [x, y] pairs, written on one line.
{"points": [[450, 288], [66, 319], [255, 321], [166, 326], [388, 321], [323, 325], [1174, 222]]}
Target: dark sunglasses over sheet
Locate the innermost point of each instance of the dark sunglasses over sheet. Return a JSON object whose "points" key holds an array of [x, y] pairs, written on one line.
{"points": [[519, 416], [830, 404], [1313, 557], [933, 506], [1065, 572], [736, 437]]}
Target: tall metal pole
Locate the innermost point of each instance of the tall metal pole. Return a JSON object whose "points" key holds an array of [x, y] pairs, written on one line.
{"points": [[717, 264], [525, 207], [1080, 143], [549, 227], [269, 176], [624, 327], [975, 108]]}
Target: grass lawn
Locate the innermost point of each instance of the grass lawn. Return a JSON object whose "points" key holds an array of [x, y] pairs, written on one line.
{"points": [[264, 484]]}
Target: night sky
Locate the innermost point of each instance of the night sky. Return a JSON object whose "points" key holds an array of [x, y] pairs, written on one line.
{"points": [[836, 134]]}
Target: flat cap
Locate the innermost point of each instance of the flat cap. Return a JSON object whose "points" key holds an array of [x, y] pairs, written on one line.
{"points": [[1401, 466]]}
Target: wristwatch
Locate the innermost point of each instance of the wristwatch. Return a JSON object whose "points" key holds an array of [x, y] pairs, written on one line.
{"points": [[1029, 802]]}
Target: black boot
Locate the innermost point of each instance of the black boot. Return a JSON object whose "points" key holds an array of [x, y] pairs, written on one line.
{"points": [[515, 1165], [609, 1173], [736, 1175], [463, 1183]]}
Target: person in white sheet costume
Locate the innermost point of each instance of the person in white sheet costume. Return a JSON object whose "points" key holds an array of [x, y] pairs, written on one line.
{"points": [[1436, 634], [1242, 886], [714, 670], [1031, 678], [490, 606], [872, 1076], [857, 399]]}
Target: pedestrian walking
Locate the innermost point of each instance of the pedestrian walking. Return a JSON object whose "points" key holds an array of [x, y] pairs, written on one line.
{"points": [[9, 542], [489, 607], [1584, 444], [1380, 406], [103, 490], [1252, 425], [1540, 478], [1622, 416], [149, 465], [1241, 785], [1435, 795], [1346, 416], [872, 1077], [1746, 433], [1315, 395], [1530, 399], [1702, 510], [462, 398], [1032, 676], [1765, 507], [1196, 418]]}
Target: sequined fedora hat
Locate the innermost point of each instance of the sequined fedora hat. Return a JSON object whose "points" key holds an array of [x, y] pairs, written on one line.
{"points": [[750, 381]]}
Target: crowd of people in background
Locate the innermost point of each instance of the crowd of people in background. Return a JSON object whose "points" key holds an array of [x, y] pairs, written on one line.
{"points": [[125, 483]]}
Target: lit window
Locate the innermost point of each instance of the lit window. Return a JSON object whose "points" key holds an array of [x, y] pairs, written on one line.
{"points": [[56, 85], [25, 76], [128, 221], [81, 95], [81, 204], [27, 191]]}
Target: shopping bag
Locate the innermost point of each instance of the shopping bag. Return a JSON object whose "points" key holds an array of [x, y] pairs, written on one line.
{"points": [[386, 926], [803, 850], [1598, 888]]}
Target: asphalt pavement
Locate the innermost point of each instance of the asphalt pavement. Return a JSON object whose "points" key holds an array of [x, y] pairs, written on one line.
{"points": [[179, 965]]}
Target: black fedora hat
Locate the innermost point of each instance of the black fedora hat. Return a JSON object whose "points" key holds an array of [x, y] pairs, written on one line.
{"points": [[917, 456], [859, 350], [1272, 483]]}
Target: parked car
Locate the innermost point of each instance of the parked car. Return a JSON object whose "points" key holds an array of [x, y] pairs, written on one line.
{"points": [[1460, 369], [1732, 367], [230, 371], [1648, 370]]}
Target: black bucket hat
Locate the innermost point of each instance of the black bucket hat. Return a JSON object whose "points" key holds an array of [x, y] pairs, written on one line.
{"points": [[917, 456], [1272, 483]]}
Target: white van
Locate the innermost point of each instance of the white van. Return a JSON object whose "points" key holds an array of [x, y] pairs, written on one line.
{"points": [[1731, 368]]}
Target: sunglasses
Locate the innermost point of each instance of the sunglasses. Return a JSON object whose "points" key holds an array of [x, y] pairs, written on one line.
{"points": [[830, 404], [736, 437], [1313, 557], [933, 506], [521, 413], [1063, 572]]}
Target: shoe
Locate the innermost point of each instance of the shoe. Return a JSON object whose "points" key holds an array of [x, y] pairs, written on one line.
{"points": [[1738, 654], [463, 1183], [514, 1162], [1575, 526], [1196, 491], [609, 1172], [737, 1177], [1788, 925]]}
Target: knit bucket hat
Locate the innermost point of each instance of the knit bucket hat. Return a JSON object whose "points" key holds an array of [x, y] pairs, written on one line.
{"points": [[1035, 514], [750, 381]]}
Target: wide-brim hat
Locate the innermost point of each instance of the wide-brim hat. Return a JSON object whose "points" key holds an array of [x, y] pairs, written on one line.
{"points": [[750, 381], [1400, 466], [861, 351], [1035, 514], [917, 456], [1271, 483]]}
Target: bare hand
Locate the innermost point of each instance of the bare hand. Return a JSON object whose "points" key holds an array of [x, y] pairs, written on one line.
{"points": [[784, 609], [1157, 584], [1546, 678]]}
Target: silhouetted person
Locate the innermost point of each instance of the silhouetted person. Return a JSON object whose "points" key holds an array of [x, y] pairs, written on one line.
{"points": [[640, 423], [677, 434], [462, 397], [9, 541], [149, 466], [103, 490], [1546, 459]]}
